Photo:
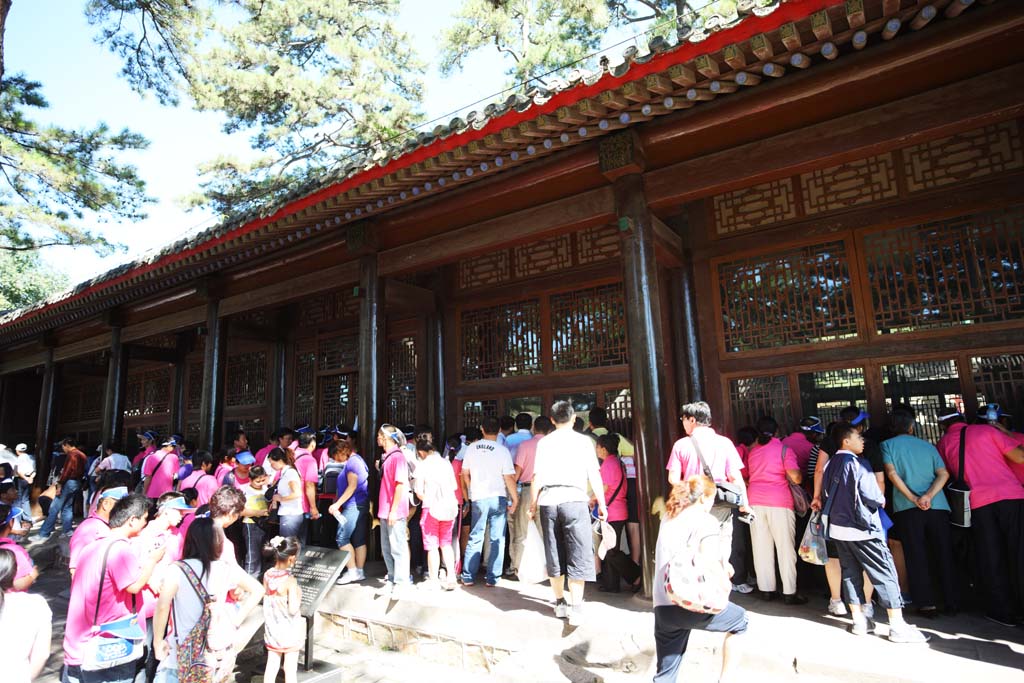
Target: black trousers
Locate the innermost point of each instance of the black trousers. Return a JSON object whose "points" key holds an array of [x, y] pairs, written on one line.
{"points": [[870, 556], [999, 542], [617, 565], [928, 543], [742, 556]]}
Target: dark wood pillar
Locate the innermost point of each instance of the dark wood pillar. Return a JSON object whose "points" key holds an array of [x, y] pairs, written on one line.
{"points": [[45, 422], [685, 335], [622, 162], [113, 398], [434, 357], [371, 354], [278, 389], [211, 409], [178, 388]]}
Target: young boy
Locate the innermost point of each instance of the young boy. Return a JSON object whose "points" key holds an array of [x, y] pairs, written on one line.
{"points": [[255, 507], [850, 513]]}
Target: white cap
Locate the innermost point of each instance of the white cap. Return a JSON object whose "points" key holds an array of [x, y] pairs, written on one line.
{"points": [[21, 448]]}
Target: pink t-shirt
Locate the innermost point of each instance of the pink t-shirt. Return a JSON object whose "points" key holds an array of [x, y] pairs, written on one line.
{"points": [[396, 471], [1016, 467], [305, 463], [612, 474], [141, 455], [90, 530], [123, 569], [801, 447], [21, 558], [526, 455], [986, 470], [261, 454], [767, 485], [719, 453], [457, 469], [162, 467], [204, 483], [320, 455]]}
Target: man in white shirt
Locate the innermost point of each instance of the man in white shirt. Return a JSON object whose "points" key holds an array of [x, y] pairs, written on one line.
{"points": [[24, 475], [565, 467], [487, 473]]}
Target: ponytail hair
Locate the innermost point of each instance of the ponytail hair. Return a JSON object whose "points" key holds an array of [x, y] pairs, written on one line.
{"points": [[686, 493], [281, 548], [766, 428], [285, 455], [8, 570]]}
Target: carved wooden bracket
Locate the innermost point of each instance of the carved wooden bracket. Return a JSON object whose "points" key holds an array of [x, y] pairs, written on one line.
{"points": [[621, 154]]}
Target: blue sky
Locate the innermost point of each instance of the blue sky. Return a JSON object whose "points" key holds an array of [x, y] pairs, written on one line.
{"points": [[51, 42]]}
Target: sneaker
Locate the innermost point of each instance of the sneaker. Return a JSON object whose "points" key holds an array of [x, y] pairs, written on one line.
{"points": [[743, 588], [869, 610], [836, 608], [576, 615], [862, 627], [348, 576], [562, 609], [905, 633]]}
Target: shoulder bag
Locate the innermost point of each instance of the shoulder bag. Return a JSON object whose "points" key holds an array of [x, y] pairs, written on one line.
{"points": [[727, 494], [695, 582], [801, 503], [113, 643], [958, 492]]}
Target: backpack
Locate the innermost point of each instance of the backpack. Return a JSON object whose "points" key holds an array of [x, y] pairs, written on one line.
{"points": [[695, 582], [206, 653]]}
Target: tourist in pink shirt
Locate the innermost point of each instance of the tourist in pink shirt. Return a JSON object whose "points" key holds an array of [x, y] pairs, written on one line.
{"points": [[995, 416], [309, 473], [201, 479], [393, 505], [147, 445], [113, 589], [26, 573], [997, 510], [161, 469], [239, 475], [771, 466], [95, 526]]}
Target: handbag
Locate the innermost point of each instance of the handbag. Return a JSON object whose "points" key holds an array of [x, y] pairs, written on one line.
{"points": [[813, 549], [727, 494], [801, 503], [113, 643], [958, 492], [694, 582]]}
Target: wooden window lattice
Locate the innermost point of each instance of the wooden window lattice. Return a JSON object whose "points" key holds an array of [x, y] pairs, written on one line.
{"points": [[329, 307], [475, 411], [799, 296], [91, 405], [965, 156], [148, 393], [194, 397], [487, 269], [401, 387], [618, 403], [929, 387], [501, 341], [304, 395], [752, 397], [338, 398], [961, 271], [850, 184], [597, 244], [336, 353], [246, 379], [1000, 379], [753, 207], [588, 328], [255, 429], [824, 393], [543, 256]]}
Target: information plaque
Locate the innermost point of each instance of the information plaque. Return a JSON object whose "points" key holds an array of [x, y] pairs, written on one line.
{"points": [[316, 570]]}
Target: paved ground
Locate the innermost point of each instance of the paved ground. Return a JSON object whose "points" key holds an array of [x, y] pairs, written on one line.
{"points": [[509, 633]]}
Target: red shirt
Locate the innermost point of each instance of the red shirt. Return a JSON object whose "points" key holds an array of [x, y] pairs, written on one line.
{"points": [[74, 466]]}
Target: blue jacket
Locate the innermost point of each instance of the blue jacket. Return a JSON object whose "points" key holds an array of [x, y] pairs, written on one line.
{"points": [[852, 496]]}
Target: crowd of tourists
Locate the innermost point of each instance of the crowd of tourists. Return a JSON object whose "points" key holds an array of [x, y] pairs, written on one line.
{"points": [[177, 547]]}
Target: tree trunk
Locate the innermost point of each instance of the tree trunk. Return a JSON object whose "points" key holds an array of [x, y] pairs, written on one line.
{"points": [[5, 7]]}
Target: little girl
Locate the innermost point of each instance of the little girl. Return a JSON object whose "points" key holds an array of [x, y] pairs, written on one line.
{"points": [[285, 629]]}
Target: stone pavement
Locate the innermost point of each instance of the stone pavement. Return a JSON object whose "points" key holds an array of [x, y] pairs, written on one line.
{"points": [[509, 633]]}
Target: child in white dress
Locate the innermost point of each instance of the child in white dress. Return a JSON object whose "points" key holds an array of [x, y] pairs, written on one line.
{"points": [[285, 629]]}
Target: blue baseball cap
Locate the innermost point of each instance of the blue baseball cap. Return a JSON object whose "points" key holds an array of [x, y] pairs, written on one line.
{"points": [[14, 514], [992, 412], [245, 458], [176, 503], [860, 418], [304, 429], [813, 425], [171, 441], [150, 434], [117, 493]]}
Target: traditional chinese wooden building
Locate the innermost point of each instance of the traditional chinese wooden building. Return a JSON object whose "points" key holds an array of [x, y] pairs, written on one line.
{"points": [[809, 204]]}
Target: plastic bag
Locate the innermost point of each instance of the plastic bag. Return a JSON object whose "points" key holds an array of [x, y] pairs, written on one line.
{"points": [[812, 545], [533, 565]]}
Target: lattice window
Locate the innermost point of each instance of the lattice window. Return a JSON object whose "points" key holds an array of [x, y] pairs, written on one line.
{"points": [[501, 341], [850, 184], [597, 244], [928, 387], [588, 328], [973, 154], [148, 393], [798, 296], [824, 393], [194, 397], [752, 397], [70, 404], [543, 256], [401, 391], [475, 411], [160, 341], [192, 432], [304, 394], [961, 271], [316, 310], [91, 406], [338, 353], [246, 379], [1000, 379], [255, 429], [338, 398], [524, 404], [619, 405], [750, 208], [487, 269]]}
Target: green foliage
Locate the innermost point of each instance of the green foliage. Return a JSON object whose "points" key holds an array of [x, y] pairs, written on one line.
{"points": [[316, 82], [25, 280], [53, 180]]}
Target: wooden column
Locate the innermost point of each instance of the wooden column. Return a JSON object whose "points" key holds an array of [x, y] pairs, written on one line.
{"points": [[436, 390], [45, 422], [371, 354], [178, 386], [622, 162], [688, 344], [211, 411], [113, 398], [278, 389]]}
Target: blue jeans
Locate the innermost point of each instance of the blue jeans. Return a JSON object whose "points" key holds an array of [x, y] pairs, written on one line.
{"points": [[495, 512], [63, 505], [293, 525], [24, 500], [394, 545]]}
